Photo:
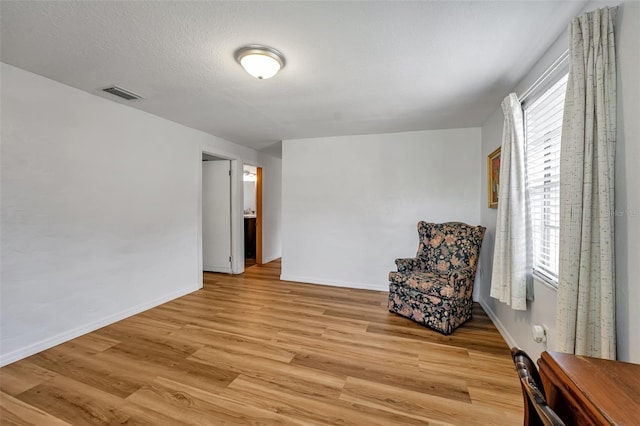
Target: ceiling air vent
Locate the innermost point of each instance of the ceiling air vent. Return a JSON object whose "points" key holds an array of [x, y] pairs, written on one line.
{"points": [[122, 93]]}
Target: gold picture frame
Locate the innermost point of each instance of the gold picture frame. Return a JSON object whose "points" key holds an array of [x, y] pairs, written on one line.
{"points": [[493, 177]]}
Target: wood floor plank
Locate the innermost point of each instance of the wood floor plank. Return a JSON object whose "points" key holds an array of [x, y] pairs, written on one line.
{"points": [[20, 376], [259, 367], [262, 325], [405, 376], [15, 412], [87, 370], [478, 369], [466, 339], [190, 405], [251, 349], [393, 344], [346, 349], [309, 410], [77, 403], [422, 406], [93, 343], [504, 397], [166, 344], [314, 320], [205, 377], [234, 344]]}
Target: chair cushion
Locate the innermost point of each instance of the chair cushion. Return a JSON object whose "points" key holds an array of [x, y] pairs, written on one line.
{"points": [[428, 283]]}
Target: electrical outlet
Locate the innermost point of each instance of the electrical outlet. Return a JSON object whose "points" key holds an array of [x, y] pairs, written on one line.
{"points": [[546, 333], [538, 334]]}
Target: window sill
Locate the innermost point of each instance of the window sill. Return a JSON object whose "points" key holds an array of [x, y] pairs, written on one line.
{"points": [[546, 282]]}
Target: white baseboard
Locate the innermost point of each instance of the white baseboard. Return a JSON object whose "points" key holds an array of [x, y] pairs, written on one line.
{"points": [[334, 283], [270, 259], [52, 341], [226, 270], [501, 328]]}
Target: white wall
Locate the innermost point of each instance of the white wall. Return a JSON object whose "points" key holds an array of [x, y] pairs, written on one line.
{"points": [[249, 195], [351, 204], [516, 326], [628, 183], [100, 210], [271, 207]]}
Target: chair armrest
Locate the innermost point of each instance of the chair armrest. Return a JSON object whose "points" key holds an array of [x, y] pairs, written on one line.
{"points": [[460, 274], [459, 278], [410, 264]]}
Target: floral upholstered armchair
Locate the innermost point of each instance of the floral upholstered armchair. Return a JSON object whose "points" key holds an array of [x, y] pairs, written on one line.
{"points": [[435, 288]]}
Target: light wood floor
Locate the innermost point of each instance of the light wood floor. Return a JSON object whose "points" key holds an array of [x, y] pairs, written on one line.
{"points": [[251, 349]]}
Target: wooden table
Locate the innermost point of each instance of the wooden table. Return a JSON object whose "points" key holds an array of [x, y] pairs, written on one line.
{"points": [[591, 391]]}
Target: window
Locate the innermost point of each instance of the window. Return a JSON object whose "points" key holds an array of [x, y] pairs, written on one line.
{"points": [[543, 128]]}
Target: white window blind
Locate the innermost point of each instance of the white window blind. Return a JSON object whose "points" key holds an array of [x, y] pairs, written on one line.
{"points": [[543, 128]]}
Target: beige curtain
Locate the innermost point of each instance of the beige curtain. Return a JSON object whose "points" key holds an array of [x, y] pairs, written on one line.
{"points": [[586, 288], [511, 267]]}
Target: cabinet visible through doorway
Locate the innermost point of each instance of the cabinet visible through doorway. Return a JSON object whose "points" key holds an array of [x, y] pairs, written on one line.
{"points": [[250, 215], [249, 237]]}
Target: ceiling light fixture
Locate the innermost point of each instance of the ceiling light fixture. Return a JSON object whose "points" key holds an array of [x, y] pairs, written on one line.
{"points": [[261, 62]]}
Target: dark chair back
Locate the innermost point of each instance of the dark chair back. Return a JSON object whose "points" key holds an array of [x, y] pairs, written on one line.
{"points": [[536, 410]]}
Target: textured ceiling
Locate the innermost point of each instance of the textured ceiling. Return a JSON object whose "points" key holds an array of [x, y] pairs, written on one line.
{"points": [[352, 67]]}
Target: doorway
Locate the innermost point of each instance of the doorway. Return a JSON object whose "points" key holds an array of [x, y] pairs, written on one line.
{"points": [[252, 186], [216, 214]]}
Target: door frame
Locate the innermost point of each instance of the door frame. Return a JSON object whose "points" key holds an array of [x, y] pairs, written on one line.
{"points": [[258, 211], [237, 246], [258, 215], [225, 168]]}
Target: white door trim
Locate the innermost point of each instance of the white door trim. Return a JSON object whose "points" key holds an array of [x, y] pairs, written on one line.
{"points": [[237, 242]]}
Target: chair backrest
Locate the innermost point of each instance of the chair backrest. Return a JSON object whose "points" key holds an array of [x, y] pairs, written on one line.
{"points": [[450, 245], [536, 410]]}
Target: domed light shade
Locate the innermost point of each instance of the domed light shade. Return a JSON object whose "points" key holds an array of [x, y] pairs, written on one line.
{"points": [[261, 62]]}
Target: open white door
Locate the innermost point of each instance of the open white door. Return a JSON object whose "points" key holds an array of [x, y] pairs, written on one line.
{"points": [[216, 216]]}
